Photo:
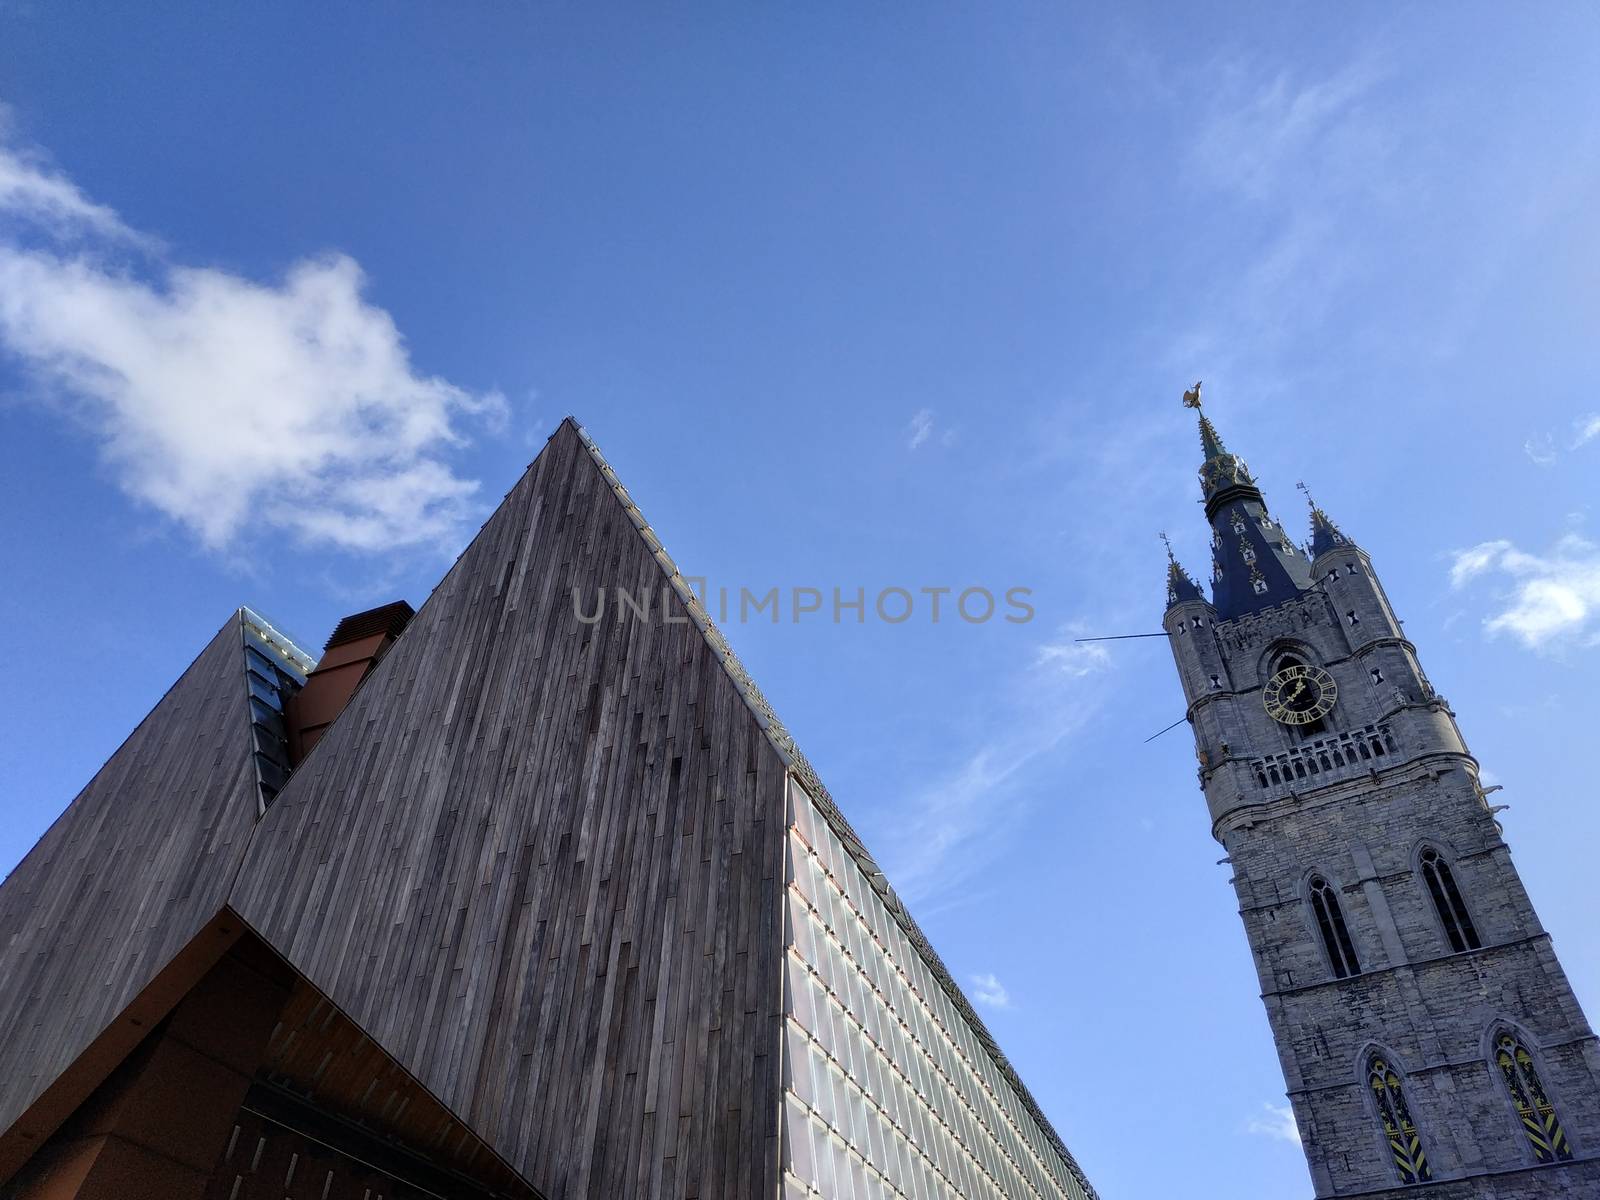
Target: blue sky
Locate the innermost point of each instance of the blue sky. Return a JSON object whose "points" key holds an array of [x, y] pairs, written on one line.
{"points": [[850, 296]]}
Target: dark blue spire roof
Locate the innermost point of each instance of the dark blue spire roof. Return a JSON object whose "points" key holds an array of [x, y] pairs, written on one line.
{"points": [[1181, 587], [1255, 564], [1325, 535]]}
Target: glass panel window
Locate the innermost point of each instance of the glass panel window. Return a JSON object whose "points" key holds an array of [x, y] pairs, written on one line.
{"points": [[1534, 1108], [1447, 902], [263, 691], [1388, 1094], [1335, 934]]}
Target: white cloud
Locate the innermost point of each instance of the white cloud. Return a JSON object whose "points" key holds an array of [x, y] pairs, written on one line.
{"points": [[230, 405], [1076, 659], [1541, 450], [30, 190], [954, 813], [989, 991], [1276, 1121], [920, 428], [955, 821], [1551, 599], [1303, 169], [1256, 139], [1469, 564]]}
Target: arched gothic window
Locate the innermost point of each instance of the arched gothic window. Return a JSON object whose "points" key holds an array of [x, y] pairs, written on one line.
{"points": [[1330, 924], [1389, 1096], [1447, 902], [1534, 1109]]}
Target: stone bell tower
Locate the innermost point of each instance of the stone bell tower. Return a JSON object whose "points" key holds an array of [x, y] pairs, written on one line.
{"points": [[1429, 1039]]}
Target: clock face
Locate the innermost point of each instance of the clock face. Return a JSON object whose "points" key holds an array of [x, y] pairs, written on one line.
{"points": [[1300, 694]]}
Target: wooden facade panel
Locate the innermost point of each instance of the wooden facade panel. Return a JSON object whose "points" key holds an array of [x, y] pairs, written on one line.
{"points": [[127, 876], [539, 861]]}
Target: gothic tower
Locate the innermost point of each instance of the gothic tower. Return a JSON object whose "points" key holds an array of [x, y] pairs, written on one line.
{"points": [[1427, 1032]]}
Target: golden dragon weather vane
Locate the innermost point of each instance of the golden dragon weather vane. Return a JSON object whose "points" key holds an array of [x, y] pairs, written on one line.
{"points": [[1191, 398]]}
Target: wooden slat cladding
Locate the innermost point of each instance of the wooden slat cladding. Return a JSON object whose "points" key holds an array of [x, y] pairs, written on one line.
{"points": [[127, 876], [539, 862]]}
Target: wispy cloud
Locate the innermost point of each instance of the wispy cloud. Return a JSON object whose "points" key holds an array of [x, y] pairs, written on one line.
{"points": [[989, 991], [922, 429], [1541, 450], [1551, 599], [1299, 167], [1275, 1121], [1260, 134], [1076, 659], [228, 404], [30, 191], [955, 813], [919, 428], [1469, 564], [963, 814]]}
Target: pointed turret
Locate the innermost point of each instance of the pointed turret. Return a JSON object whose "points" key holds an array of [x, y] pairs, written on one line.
{"points": [[1255, 564], [1181, 586], [1325, 535]]}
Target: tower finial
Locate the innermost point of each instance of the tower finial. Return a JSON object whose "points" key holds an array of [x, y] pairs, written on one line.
{"points": [[1325, 535], [1210, 440], [1167, 542]]}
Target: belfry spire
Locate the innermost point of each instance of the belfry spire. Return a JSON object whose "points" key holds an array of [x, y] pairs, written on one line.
{"points": [[1210, 440], [1223, 472], [1255, 564]]}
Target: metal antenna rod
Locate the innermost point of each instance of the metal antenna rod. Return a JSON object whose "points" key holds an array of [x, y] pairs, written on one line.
{"points": [[1113, 637], [1174, 725]]}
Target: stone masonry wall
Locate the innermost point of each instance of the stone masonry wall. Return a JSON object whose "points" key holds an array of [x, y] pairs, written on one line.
{"points": [[1355, 802]]}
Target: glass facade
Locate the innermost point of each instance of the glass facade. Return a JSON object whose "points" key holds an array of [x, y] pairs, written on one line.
{"points": [[274, 669], [888, 1089]]}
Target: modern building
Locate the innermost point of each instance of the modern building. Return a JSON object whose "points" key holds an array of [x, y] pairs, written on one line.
{"points": [[492, 900], [1429, 1039]]}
